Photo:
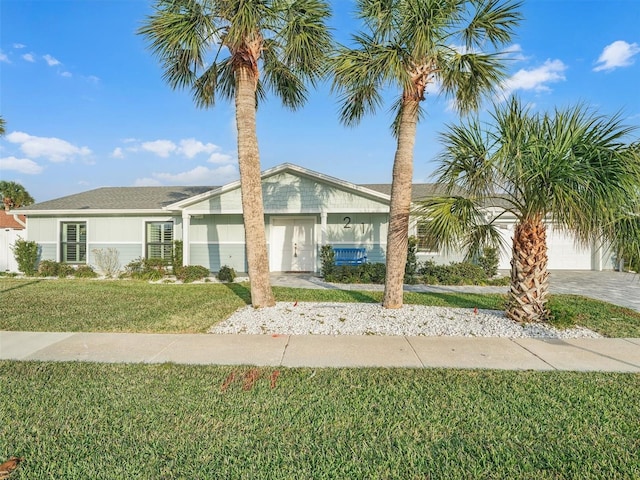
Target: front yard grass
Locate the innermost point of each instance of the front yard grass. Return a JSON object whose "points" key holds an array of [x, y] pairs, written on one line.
{"points": [[105, 421], [74, 305]]}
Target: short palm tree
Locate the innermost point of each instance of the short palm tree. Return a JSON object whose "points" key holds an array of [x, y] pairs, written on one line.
{"points": [[571, 169], [14, 195], [240, 49], [407, 45]]}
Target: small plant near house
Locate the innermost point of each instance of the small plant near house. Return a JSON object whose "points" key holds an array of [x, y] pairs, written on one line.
{"points": [[146, 269], [108, 261], [177, 255], [26, 255], [85, 271], [48, 268], [489, 261], [328, 259], [411, 269], [191, 273], [226, 274]]}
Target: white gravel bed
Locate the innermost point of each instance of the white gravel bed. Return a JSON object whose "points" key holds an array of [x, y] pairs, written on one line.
{"points": [[307, 318]]}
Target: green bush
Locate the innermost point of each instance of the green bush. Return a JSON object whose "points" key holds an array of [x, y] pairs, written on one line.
{"points": [[488, 261], [177, 255], [226, 274], [146, 268], [191, 273], [364, 273], [48, 268], [65, 270], [411, 267], [26, 255], [456, 273], [327, 257], [85, 271]]}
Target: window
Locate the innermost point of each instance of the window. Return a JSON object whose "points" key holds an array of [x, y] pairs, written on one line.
{"points": [[159, 240], [74, 242], [427, 242]]}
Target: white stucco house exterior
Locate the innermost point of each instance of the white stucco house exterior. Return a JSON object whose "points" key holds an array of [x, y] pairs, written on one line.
{"points": [[303, 211]]}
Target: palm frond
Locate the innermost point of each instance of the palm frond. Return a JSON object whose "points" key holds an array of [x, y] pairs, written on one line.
{"points": [[493, 21]]}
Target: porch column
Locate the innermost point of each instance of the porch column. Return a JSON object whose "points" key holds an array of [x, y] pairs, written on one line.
{"points": [[323, 228], [186, 222]]}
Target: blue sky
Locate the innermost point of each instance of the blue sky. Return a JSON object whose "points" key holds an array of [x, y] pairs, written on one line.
{"points": [[86, 106]]}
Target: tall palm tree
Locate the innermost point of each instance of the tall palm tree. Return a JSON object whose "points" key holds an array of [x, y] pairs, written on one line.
{"points": [[408, 45], [2, 126], [571, 169], [220, 48], [14, 195]]}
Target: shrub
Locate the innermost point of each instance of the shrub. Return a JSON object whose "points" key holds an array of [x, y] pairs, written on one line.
{"points": [[85, 271], [146, 269], [65, 270], [26, 255], [327, 257], [488, 261], [191, 273], [177, 255], [108, 261], [365, 273], [456, 273], [48, 268], [411, 267], [226, 274]]}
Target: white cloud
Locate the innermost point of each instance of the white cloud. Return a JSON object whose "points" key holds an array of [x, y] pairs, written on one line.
{"points": [[536, 79], [29, 57], [93, 79], [162, 148], [4, 58], [218, 157], [117, 153], [618, 54], [53, 149], [197, 176], [190, 147], [22, 165], [50, 60], [65, 74], [514, 52], [19, 45]]}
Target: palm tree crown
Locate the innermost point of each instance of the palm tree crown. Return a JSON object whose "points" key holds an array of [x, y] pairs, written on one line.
{"points": [[408, 45], [572, 169], [202, 44], [14, 195]]}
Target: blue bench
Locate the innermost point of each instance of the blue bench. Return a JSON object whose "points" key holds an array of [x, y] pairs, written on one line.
{"points": [[350, 256]]}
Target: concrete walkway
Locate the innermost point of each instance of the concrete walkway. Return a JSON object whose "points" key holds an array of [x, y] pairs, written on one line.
{"points": [[605, 354], [610, 354]]}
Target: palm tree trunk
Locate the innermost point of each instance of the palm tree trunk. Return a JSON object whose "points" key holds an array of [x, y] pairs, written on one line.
{"points": [[398, 234], [529, 275], [251, 189]]}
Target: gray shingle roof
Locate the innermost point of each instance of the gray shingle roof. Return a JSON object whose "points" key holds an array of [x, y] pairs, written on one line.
{"points": [[121, 198], [154, 198]]}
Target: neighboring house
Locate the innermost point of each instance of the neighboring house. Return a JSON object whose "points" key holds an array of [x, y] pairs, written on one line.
{"points": [[11, 227], [303, 211]]}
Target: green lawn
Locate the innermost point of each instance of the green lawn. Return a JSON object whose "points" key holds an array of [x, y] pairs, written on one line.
{"points": [[98, 421], [135, 306]]}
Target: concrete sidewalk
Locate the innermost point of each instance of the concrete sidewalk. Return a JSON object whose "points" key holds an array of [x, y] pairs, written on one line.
{"points": [[605, 354]]}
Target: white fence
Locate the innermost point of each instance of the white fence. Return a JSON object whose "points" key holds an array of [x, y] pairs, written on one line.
{"points": [[7, 239]]}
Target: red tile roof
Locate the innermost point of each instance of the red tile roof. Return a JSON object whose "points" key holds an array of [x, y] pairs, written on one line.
{"points": [[7, 220]]}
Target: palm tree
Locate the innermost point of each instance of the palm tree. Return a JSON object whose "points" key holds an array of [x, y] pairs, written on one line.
{"points": [[14, 195], [221, 48], [408, 45], [2, 126], [571, 169]]}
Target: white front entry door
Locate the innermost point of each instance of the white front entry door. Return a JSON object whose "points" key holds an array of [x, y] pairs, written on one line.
{"points": [[292, 245]]}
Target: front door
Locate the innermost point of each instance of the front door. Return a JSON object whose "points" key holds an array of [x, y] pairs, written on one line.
{"points": [[292, 245]]}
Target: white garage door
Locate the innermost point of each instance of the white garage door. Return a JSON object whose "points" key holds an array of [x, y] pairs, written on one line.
{"points": [[562, 251]]}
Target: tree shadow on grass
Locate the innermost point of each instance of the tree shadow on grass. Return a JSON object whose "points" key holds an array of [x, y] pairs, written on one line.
{"points": [[22, 285], [241, 290]]}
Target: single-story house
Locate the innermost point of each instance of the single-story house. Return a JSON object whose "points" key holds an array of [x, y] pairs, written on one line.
{"points": [[303, 211]]}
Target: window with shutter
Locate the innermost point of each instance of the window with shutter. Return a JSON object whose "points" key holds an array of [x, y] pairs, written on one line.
{"points": [[159, 240], [73, 243]]}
